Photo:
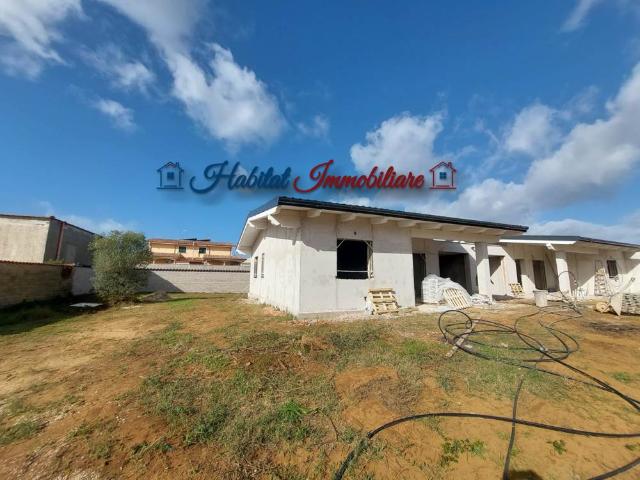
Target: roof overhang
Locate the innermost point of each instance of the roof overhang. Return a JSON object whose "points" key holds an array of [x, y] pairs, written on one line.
{"points": [[573, 244], [289, 212]]}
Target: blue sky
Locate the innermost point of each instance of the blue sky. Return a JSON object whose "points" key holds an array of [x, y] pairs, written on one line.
{"points": [[536, 103]]}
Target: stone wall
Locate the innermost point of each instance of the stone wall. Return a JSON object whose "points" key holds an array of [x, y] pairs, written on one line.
{"points": [[26, 282], [197, 279]]}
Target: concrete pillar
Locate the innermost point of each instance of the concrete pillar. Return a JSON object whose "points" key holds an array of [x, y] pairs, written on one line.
{"points": [[482, 269], [562, 267]]}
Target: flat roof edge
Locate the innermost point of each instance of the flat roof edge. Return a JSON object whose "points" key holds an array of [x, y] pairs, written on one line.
{"points": [[344, 207]]}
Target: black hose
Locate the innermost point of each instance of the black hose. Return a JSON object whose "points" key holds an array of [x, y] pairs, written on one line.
{"points": [[453, 332]]}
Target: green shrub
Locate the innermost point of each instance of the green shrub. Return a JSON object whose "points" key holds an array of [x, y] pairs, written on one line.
{"points": [[115, 259]]}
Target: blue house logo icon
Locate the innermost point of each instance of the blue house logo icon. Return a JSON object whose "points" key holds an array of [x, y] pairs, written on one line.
{"points": [[170, 176]]}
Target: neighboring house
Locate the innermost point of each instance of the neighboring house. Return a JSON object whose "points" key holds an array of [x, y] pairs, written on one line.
{"points": [[317, 257], [25, 238], [442, 176], [171, 175], [193, 251]]}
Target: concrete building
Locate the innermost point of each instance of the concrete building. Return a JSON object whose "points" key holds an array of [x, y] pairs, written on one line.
{"points": [[25, 238], [314, 257], [318, 257], [193, 251], [568, 263]]}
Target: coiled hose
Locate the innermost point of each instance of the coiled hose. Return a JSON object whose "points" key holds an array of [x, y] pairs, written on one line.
{"points": [[461, 333]]}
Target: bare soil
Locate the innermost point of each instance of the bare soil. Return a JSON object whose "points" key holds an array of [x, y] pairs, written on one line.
{"points": [[212, 386]]}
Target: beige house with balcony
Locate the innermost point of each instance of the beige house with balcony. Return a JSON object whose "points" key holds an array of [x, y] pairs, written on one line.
{"points": [[193, 251]]}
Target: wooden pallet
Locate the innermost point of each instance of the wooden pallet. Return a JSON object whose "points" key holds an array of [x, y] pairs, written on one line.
{"points": [[383, 300], [516, 289], [455, 298]]}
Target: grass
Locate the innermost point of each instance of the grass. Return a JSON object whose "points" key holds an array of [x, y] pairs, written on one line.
{"points": [[267, 397], [559, 446], [21, 430], [453, 449], [623, 377]]}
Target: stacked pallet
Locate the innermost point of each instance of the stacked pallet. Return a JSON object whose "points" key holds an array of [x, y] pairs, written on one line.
{"points": [[516, 289], [383, 300]]}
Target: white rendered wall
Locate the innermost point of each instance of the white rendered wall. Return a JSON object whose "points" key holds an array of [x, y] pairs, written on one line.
{"points": [[321, 291], [280, 284]]}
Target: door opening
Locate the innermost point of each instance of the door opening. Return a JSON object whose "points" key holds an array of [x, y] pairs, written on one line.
{"points": [[539, 275], [419, 272], [453, 266]]}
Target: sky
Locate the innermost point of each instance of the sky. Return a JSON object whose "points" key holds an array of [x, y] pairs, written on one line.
{"points": [[536, 104]]}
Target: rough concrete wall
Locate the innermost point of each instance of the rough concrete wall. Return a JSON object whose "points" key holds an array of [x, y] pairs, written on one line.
{"points": [[321, 291], [82, 282], [23, 240], [393, 262], [198, 281], [26, 282], [279, 285], [74, 247]]}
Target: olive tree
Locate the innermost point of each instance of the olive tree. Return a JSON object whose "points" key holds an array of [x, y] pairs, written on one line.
{"points": [[116, 257]]}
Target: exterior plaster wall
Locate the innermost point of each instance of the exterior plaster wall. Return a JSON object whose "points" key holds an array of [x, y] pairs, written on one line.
{"points": [[321, 291], [279, 283], [23, 240]]}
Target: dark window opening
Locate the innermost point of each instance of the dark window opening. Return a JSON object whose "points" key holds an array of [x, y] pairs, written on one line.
{"points": [[182, 249], [612, 268], [255, 267], [202, 250], [170, 175], [354, 259], [539, 275], [443, 175], [519, 271]]}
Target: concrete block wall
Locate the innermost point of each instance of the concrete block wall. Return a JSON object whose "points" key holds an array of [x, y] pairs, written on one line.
{"points": [[198, 280], [26, 282]]}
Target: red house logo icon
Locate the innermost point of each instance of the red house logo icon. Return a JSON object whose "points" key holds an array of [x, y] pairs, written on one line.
{"points": [[442, 176]]}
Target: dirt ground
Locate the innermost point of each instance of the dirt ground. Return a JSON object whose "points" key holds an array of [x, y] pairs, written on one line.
{"points": [[213, 386]]}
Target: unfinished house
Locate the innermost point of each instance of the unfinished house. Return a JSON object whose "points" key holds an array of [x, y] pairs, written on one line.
{"points": [[28, 238], [587, 266], [312, 257]]}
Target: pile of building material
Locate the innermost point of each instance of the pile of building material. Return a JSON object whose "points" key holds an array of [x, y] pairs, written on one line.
{"points": [[382, 300], [631, 303], [436, 289]]}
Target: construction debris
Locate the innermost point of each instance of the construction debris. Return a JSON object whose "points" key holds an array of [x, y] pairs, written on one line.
{"points": [[382, 300]]}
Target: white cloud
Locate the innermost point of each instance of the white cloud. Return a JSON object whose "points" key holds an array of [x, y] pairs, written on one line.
{"points": [[121, 116], [227, 100], [317, 128], [94, 225], [628, 230], [404, 141], [28, 30], [588, 163], [231, 104], [578, 15], [124, 73], [533, 132]]}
